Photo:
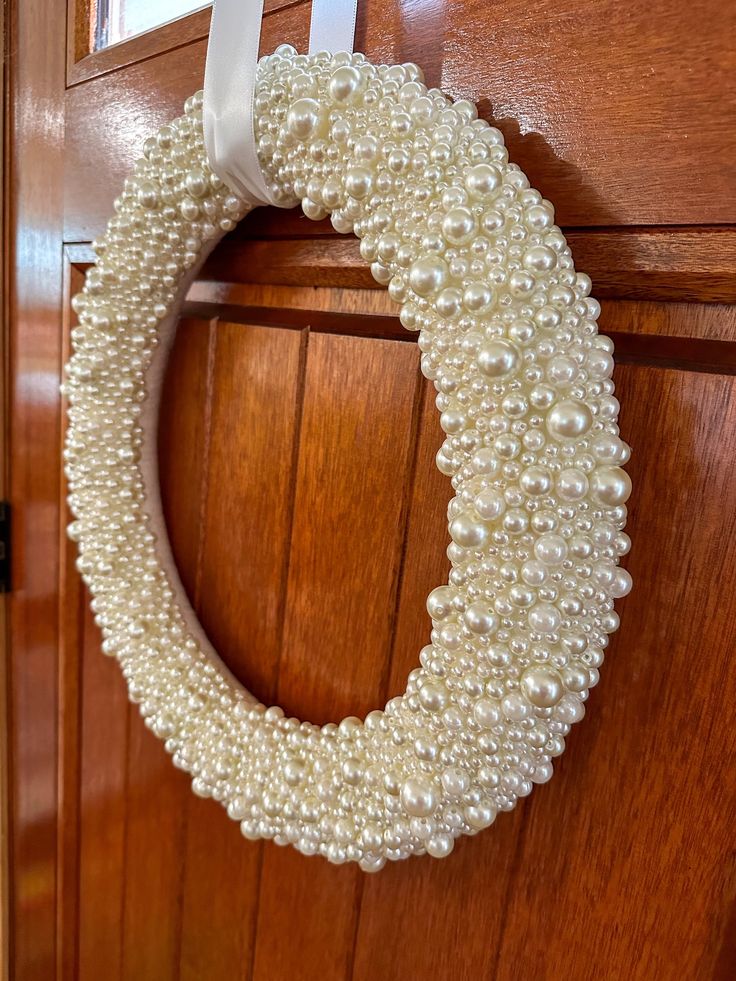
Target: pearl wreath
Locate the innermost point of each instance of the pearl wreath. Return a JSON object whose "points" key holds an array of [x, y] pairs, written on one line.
{"points": [[507, 333]]}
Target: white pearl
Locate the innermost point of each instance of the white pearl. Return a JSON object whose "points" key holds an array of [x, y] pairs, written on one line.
{"points": [[486, 713], [544, 618], [418, 797], [572, 484], [345, 84], [467, 532], [497, 358], [482, 181], [440, 846], [610, 486], [304, 119], [490, 504], [427, 275], [455, 781], [542, 686], [480, 618], [458, 226], [551, 549], [569, 420]]}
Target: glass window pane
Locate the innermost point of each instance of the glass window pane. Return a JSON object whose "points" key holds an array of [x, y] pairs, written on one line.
{"points": [[116, 20]]}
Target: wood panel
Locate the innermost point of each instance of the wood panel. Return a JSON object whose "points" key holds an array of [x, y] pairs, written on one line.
{"points": [[623, 867], [355, 466], [32, 302], [247, 495], [656, 264], [615, 133]]}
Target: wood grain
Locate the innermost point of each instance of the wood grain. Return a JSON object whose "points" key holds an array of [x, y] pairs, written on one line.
{"points": [[635, 835], [355, 465], [616, 133], [247, 496], [671, 264], [623, 867], [32, 304]]}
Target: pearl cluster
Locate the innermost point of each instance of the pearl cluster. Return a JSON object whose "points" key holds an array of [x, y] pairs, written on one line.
{"points": [[507, 333]]}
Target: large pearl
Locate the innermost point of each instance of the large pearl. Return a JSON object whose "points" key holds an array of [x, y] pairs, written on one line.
{"points": [[428, 275], [304, 118], [568, 420], [418, 797], [610, 486], [483, 181], [542, 686], [497, 358], [345, 84]]}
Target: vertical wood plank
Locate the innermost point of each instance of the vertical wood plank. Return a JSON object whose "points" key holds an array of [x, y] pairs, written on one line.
{"points": [[355, 459], [156, 792], [255, 393], [634, 838], [432, 901], [32, 206], [102, 807]]}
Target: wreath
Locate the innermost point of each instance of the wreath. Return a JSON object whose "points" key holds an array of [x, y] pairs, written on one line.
{"points": [[507, 334]]}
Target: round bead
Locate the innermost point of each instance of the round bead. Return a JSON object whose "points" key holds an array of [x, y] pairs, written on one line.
{"points": [[497, 358], [428, 275], [569, 420], [610, 486], [418, 797], [542, 686], [304, 119]]}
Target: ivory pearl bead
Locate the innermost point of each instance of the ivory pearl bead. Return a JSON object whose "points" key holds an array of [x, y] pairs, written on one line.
{"points": [[497, 358], [428, 275], [480, 618], [345, 84], [482, 181], [458, 226], [542, 686], [572, 484], [467, 532], [610, 486], [440, 846], [490, 504], [304, 119], [418, 797], [569, 420]]}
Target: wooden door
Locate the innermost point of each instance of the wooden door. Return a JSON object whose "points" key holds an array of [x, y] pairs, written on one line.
{"points": [[624, 865]]}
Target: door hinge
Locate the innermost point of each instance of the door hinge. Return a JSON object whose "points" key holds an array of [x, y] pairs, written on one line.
{"points": [[4, 547]]}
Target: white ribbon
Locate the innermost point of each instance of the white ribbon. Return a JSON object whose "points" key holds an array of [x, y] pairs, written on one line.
{"points": [[333, 25], [230, 79]]}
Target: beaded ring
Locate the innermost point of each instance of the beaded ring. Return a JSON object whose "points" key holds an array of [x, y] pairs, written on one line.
{"points": [[507, 333]]}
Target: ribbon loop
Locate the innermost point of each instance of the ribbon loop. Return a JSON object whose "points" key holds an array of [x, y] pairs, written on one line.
{"points": [[230, 81]]}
